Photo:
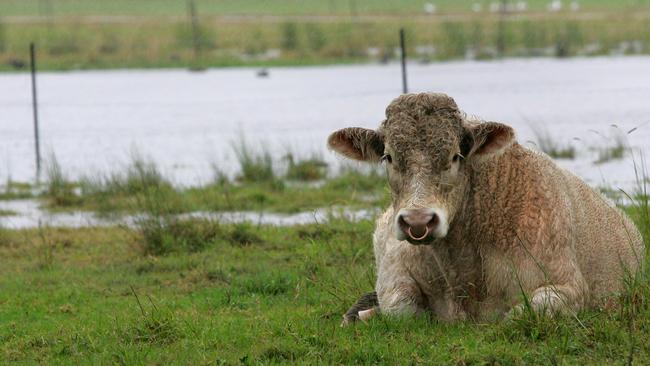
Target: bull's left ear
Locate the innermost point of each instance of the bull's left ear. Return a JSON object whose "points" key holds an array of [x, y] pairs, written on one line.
{"points": [[487, 139]]}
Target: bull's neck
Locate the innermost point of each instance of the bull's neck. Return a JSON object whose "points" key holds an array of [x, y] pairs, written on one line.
{"points": [[487, 205]]}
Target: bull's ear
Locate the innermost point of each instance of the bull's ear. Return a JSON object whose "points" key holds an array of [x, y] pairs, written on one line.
{"points": [[357, 143], [486, 139]]}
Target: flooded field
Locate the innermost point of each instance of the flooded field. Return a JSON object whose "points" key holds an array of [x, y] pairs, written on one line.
{"points": [[187, 122], [29, 214]]}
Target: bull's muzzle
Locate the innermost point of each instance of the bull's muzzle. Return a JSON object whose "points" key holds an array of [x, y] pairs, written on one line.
{"points": [[418, 225]]}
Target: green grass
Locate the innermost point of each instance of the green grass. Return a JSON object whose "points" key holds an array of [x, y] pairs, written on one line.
{"points": [[351, 189], [276, 7], [16, 190], [171, 291], [92, 296]]}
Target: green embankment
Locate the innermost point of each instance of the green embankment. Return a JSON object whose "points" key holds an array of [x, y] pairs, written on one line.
{"points": [[145, 34]]}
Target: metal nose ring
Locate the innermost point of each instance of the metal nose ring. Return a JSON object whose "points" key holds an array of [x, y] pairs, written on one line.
{"points": [[426, 232]]}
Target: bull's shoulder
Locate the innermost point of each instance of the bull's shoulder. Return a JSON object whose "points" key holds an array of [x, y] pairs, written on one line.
{"points": [[521, 194]]}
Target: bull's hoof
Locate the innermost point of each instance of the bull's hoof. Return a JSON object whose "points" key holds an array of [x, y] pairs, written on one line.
{"points": [[365, 308], [363, 315], [348, 320]]}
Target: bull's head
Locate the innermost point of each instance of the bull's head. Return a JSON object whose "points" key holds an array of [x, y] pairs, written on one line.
{"points": [[429, 150]]}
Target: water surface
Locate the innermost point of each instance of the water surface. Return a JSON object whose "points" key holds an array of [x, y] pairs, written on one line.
{"points": [[186, 121]]}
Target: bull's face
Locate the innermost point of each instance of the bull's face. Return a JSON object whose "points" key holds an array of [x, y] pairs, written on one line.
{"points": [[429, 151]]}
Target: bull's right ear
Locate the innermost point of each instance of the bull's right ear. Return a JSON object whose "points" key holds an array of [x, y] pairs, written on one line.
{"points": [[486, 139], [357, 143]]}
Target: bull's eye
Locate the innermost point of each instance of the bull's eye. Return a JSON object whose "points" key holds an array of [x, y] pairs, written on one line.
{"points": [[386, 158]]}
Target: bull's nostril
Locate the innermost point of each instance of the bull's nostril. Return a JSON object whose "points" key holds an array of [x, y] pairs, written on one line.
{"points": [[435, 220], [418, 224], [403, 225]]}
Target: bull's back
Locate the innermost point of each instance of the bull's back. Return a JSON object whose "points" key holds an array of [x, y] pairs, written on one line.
{"points": [[608, 245]]}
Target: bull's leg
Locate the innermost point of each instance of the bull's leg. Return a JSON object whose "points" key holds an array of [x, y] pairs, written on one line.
{"points": [[564, 298], [557, 299], [398, 292], [395, 297], [366, 307], [401, 298]]}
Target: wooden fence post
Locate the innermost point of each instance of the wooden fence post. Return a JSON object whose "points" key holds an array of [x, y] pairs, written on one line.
{"points": [[37, 142], [402, 44]]}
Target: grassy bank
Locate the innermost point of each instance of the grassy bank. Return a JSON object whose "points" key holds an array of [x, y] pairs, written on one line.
{"points": [[351, 189], [276, 7], [76, 43], [303, 184], [98, 296]]}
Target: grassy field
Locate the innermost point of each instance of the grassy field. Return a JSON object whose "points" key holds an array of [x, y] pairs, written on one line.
{"points": [[77, 41], [172, 291], [274, 7], [251, 295]]}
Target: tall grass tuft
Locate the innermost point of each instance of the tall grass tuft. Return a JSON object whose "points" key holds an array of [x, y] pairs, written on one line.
{"points": [[640, 208], [551, 147], [154, 326], [350, 178], [532, 325], [140, 177], [635, 301], [311, 169], [161, 231], [255, 167], [5, 239], [59, 190], [615, 151], [46, 248], [161, 235], [243, 234]]}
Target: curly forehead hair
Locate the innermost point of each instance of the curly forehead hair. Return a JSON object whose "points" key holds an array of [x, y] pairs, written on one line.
{"points": [[425, 122]]}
